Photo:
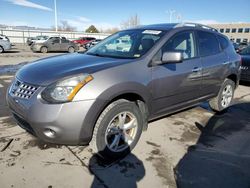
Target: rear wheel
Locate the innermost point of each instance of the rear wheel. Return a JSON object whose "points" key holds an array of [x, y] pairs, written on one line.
{"points": [[225, 96], [44, 49], [117, 130], [1, 49], [71, 49]]}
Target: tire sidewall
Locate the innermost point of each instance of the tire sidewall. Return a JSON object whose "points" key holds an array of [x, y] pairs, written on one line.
{"points": [[69, 49], [44, 47], [226, 82], [103, 150], [1, 49]]}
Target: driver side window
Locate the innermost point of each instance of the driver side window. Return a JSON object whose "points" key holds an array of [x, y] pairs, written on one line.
{"points": [[182, 42]]}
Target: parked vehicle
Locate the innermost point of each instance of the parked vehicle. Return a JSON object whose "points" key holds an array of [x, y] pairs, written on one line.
{"points": [[5, 43], [54, 44], [245, 67], [106, 96], [92, 43], [242, 46], [236, 47], [83, 40], [41, 39]]}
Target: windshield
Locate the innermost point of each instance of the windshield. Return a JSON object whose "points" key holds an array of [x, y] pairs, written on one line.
{"points": [[245, 51], [127, 44]]}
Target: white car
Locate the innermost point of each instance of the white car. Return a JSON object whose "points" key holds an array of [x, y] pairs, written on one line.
{"points": [[4, 43], [37, 39]]}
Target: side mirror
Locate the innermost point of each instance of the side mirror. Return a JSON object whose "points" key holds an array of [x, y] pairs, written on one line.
{"points": [[172, 57]]}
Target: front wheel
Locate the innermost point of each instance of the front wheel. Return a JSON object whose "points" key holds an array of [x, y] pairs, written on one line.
{"points": [[117, 130], [225, 96]]}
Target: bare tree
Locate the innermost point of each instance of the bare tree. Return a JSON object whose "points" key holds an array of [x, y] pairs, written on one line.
{"points": [[131, 22], [110, 30], [65, 26]]}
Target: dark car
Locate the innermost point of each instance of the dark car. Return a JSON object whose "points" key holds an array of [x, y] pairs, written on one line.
{"points": [[83, 40], [236, 46], [54, 44], [242, 46], [106, 96], [245, 67], [92, 43]]}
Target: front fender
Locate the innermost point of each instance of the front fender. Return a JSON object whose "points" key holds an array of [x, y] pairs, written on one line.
{"points": [[105, 98]]}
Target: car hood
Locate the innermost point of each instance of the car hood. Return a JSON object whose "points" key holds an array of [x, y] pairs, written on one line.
{"points": [[48, 70], [245, 60]]}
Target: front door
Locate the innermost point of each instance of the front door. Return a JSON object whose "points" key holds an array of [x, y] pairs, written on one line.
{"points": [[55, 45], [175, 85]]}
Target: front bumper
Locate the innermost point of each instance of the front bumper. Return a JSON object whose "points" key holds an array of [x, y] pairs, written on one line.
{"points": [[65, 120]]}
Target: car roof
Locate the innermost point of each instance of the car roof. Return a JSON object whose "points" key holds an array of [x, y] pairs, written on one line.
{"points": [[169, 26], [165, 26]]}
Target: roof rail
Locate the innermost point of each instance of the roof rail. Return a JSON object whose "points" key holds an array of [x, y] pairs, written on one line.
{"points": [[187, 24]]}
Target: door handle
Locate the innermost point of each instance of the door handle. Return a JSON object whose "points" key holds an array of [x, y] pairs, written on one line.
{"points": [[196, 69]]}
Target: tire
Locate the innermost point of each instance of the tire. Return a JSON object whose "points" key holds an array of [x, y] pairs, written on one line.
{"points": [[106, 130], [71, 49], [224, 97], [44, 49], [1, 49]]}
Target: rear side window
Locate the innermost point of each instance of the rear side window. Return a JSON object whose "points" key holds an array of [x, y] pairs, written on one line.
{"points": [[223, 42], [208, 44]]}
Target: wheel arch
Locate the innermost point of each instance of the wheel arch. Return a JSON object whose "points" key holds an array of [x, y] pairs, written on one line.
{"points": [[2, 48], [234, 78], [45, 47], [141, 99]]}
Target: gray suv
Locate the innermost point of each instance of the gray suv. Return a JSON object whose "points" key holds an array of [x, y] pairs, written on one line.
{"points": [[106, 96]]}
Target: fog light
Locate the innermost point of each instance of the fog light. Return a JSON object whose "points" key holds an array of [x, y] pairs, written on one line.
{"points": [[49, 133]]}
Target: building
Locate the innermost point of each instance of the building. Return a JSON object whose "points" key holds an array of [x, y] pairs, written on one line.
{"points": [[237, 32]]}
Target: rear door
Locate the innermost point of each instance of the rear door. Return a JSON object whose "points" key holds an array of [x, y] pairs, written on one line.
{"points": [[64, 44], [213, 60], [177, 85]]}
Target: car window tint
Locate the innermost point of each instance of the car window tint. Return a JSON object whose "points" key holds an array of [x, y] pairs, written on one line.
{"points": [[56, 40], [64, 40], [223, 42], [245, 51], [183, 42], [208, 44]]}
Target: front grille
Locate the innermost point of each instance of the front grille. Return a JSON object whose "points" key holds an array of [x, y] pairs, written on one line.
{"points": [[22, 90]]}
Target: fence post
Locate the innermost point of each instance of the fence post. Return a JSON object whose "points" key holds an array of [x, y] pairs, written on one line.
{"points": [[23, 39]]}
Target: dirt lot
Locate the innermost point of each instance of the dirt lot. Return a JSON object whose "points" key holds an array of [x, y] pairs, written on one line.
{"points": [[195, 148]]}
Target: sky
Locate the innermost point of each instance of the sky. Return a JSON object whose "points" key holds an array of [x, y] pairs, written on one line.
{"points": [[110, 13]]}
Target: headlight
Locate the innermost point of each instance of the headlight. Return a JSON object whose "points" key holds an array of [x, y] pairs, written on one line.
{"points": [[65, 90]]}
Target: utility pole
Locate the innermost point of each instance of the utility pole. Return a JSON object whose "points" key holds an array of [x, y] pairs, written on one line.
{"points": [[55, 10]]}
